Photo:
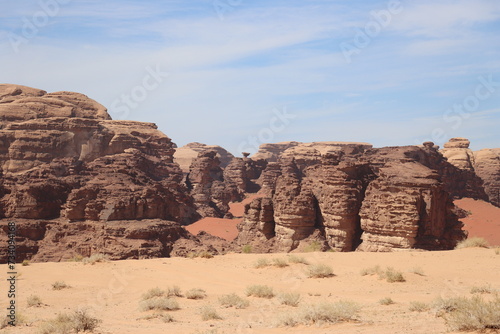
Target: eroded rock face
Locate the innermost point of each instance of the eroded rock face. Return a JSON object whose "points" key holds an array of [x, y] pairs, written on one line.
{"points": [[185, 155], [354, 198], [487, 167], [57, 240], [62, 157]]}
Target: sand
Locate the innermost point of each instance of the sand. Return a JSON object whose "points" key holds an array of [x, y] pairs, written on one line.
{"points": [[483, 221], [112, 290]]}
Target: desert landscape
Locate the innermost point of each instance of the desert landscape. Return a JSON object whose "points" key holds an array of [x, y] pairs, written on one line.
{"points": [[114, 229]]}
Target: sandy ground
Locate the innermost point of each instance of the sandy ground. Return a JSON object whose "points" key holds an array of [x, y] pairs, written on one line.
{"points": [[112, 291], [483, 221]]}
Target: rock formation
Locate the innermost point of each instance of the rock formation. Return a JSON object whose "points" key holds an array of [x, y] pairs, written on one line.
{"points": [[185, 155], [354, 198], [487, 167], [62, 157]]}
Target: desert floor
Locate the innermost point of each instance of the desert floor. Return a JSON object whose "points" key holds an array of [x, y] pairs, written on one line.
{"points": [[112, 290]]}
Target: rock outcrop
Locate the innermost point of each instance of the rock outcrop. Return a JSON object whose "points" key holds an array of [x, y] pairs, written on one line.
{"points": [[185, 155], [62, 157], [487, 167], [354, 198]]}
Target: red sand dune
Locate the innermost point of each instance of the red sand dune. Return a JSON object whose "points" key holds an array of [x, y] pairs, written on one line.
{"points": [[223, 228], [484, 220]]}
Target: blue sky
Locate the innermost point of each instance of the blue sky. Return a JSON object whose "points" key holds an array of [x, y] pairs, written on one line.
{"points": [[384, 72]]}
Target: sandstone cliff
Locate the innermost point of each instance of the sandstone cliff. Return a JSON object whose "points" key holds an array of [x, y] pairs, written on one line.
{"points": [[354, 198]]}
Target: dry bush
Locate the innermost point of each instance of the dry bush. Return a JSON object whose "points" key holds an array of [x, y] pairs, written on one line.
{"points": [[371, 271], [280, 263], [196, 294], [470, 314], [205, 255], [289, 298], [34, 301], [152, 293], [25, 263], [174, 291], [386, 301], [95, 258], [233, 300], [247, 249], [297, 259], [320, 271], [497, 251], [160, 304], [473, 242], [208, 312], [6, 321], [79, 321], [261, 291], [419, 306], [322, 313], [482, 289], [314, 246], [165, 317], [59, 285], [393, 276], [261, 263]]}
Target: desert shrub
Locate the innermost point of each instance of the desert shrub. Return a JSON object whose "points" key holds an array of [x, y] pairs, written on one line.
{"points": [[371, 271], [160, 304], [191, 255], [25, 263], [417, 271], [79, 321], [59, 285], [247, 249], [322, 313], [320, 271], [95, 258], [165, 317], [208, 312], [261, 263], [205, 255], [393, 276], [470, 314], [473, 242], [482, 289], [7, 322], [313, 246], [261, 291], [233, 300], [152, 293], [76, 258], [34, 301], [280, 263], [174, 291], [386, 301], [289, 298], [497, 251], [297, 259], [419, 306], [196, 294]]}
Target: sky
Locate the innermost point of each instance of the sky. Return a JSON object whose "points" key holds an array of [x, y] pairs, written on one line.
{"points": [[239, 73]]}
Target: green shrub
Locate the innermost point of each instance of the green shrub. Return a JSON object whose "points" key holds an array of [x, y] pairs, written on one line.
{"points": [[205, 255], [25, 263], [247, 249], [314, 246]]}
